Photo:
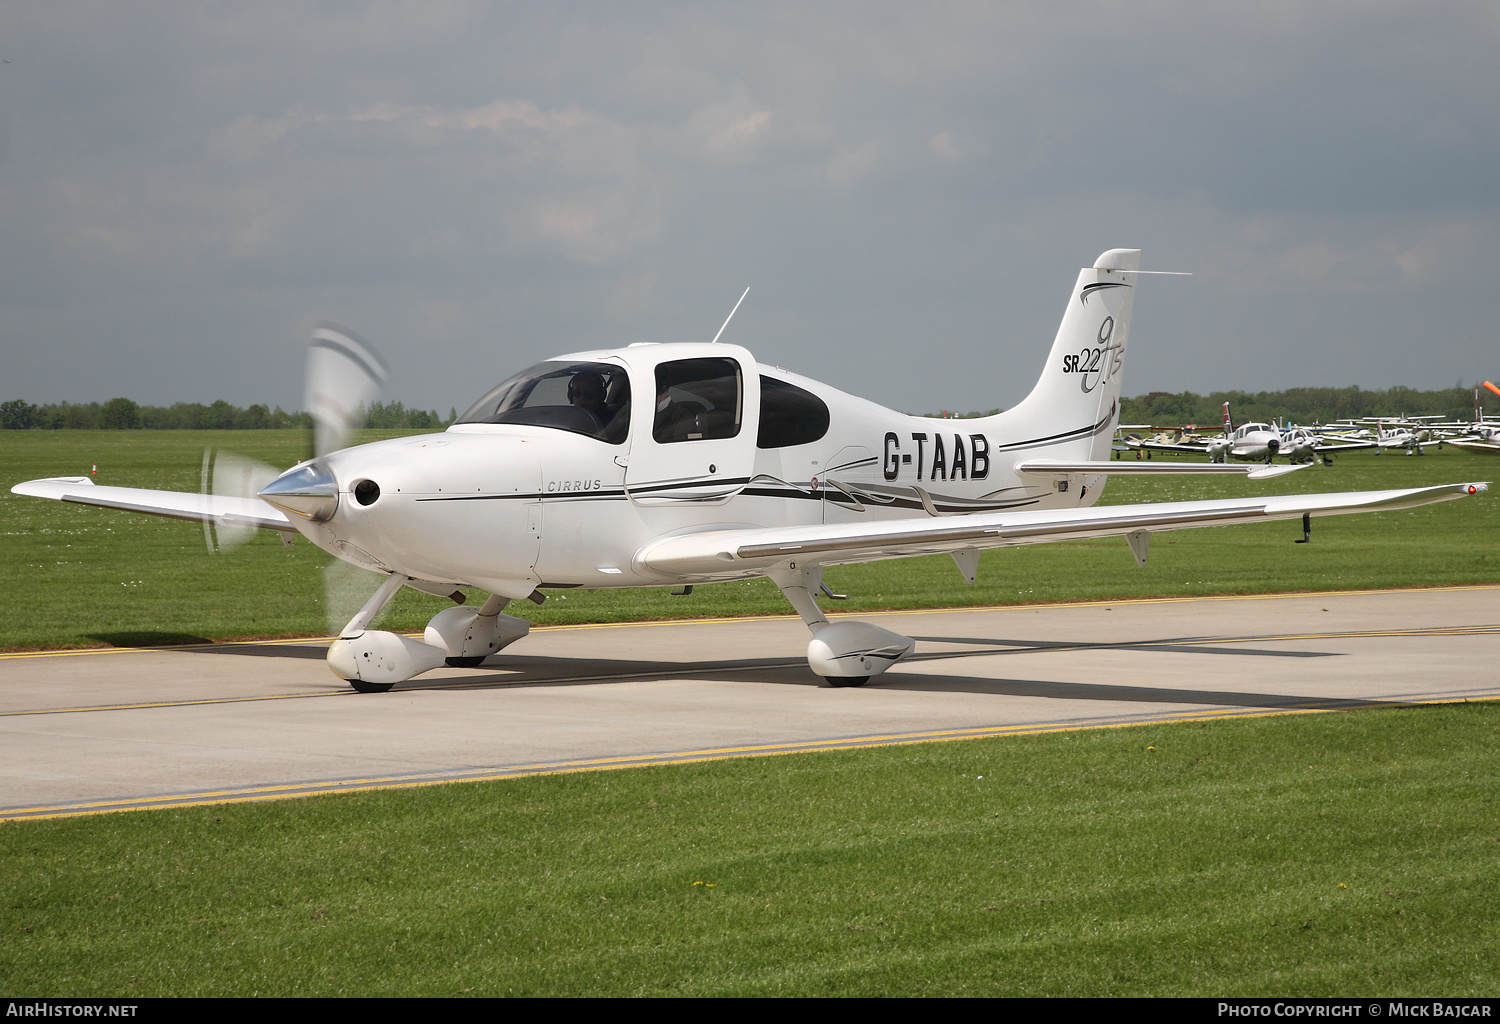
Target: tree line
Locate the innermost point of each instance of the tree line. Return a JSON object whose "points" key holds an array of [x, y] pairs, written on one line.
{"points": [[1304, 406], [123, 414]]}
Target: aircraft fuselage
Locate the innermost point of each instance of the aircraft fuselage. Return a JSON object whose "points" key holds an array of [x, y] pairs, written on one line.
{"points": [[510, 508]]}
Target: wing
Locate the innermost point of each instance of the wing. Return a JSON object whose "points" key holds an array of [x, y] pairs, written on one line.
{"points": [[1341, 445], [200, 508], [729, 552], [1162, 446], [1476, 446]]}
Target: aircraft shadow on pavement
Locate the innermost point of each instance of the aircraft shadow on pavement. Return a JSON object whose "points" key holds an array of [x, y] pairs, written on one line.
{"points": [[1118, 692], [545, 671], [897, 680], [148, 638], [540, 670], [520, 670], [180, 643], [611, 668], [1175, 645]]}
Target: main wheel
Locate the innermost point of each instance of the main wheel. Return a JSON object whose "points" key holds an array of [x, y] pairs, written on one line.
{"points": [[847, 680], [364, 687], [472, 661]]}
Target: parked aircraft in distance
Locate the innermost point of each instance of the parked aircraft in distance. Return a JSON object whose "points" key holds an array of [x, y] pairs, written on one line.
{"points": [[1185, 441], [685, 464], [1409, 434], [1254, 442], [1482, 435]]}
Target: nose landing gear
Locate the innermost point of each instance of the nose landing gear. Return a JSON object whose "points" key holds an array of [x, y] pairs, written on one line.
{"points": [[374, 660]]}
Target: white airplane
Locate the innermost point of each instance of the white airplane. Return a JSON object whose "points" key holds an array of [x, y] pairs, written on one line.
{"points": [[1302, 444], [1390, 435], [1252, 442], [686, 464]]}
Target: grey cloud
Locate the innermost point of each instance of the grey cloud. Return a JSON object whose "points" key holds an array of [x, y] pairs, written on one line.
{"points": [[908, 190]]}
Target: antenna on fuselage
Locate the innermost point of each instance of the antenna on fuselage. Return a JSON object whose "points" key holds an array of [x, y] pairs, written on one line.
{"points": [[729, 317]]}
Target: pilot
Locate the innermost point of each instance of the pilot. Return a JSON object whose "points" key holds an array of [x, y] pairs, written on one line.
{"points": [[586, 391], [674, 421]]}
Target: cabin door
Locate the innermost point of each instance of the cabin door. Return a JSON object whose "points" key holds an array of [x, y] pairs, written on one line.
{"points": [[694, 423]]}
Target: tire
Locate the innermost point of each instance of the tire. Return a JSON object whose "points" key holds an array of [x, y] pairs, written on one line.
{"points": [[469, 662], [364, 687], [847, 680]]}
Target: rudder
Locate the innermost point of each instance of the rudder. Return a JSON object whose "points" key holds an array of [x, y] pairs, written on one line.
{"points": [[1073, 409]]}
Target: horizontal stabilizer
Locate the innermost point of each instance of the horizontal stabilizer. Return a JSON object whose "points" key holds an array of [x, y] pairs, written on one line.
{"points": [[199, 508]]}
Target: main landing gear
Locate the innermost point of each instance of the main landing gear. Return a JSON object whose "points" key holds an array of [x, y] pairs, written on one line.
{"points": [[844, 653], [374, 660]]}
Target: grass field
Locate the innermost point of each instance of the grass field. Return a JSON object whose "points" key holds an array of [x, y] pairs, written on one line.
{"points": [[1320, 854], [84, 576], [1313, 854]]}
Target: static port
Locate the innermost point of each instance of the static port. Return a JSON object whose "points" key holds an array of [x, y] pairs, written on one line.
{"points": [[367, 492]]}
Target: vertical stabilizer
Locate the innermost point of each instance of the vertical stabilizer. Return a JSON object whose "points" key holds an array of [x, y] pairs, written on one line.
{"points": [[1074, 408]]}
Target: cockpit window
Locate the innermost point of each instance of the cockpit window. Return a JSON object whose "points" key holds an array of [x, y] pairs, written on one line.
{"points": [[697, 400], [592, 399]]}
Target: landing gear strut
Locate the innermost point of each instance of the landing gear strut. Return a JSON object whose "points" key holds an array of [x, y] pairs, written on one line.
{"points": [[374, 660], [844, 653]]}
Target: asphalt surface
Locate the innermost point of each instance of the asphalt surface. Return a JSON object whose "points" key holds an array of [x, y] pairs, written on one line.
{"points": [[92, 731]]}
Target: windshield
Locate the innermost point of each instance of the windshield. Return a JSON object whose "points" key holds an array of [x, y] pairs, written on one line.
{"points": [[592, 399]]}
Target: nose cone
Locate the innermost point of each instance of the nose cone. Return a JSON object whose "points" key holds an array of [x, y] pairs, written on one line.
{"points": [[309, 491]]}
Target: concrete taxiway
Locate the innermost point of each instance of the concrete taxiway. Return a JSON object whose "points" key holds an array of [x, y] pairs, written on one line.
{"points": [[91, 731]]}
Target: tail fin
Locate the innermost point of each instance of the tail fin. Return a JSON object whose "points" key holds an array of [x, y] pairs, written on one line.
{"points": [[1074, 408], [1228, 421]]}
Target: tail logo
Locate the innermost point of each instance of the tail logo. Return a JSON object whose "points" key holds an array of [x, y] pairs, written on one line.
{"points": [[1097, 365], [1090, 289]]}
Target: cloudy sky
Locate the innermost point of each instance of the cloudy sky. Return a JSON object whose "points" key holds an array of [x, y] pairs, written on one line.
{"points": [[907, 189]]}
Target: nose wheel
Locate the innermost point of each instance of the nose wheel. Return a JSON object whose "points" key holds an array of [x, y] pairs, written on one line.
{"points": [[364, 687]]}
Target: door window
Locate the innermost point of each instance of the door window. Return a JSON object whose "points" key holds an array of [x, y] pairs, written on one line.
{"points": [[698, 400]]}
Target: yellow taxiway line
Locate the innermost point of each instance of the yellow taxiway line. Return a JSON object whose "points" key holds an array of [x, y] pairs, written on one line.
{"points": [[285, 791]]}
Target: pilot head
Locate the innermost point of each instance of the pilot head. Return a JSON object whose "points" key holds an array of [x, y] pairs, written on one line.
{"points": [[586, 390]]}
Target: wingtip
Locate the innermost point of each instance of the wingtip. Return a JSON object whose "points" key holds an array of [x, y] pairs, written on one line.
{"points": [[50, 487], [1271, 472]]}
